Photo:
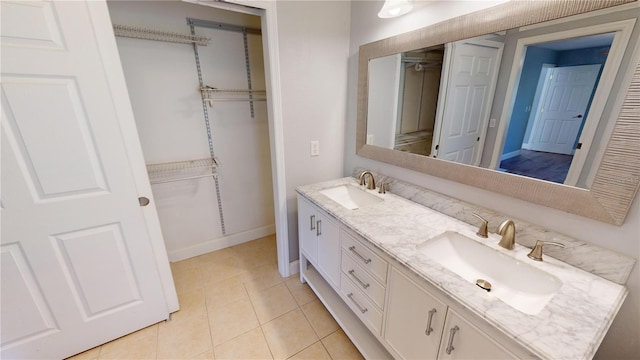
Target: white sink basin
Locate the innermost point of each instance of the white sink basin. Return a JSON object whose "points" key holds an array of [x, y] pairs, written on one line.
{"points": [[520, 285], [350, 196]]}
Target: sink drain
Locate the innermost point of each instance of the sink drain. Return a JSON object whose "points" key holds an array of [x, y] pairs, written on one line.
{"points": [[483, 284]]}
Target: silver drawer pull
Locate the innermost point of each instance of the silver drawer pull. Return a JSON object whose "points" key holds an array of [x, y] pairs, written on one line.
{"points": [[312, 219], [353, 249], [362, 309], [362, 283], [319, 227], [452, 333], [429, 328]]}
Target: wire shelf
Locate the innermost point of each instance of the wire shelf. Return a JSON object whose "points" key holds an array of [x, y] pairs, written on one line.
{"points": [[210, 94], [158, 35], [181, 170]]}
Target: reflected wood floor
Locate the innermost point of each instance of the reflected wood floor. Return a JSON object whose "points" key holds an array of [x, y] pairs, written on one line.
{"points": [[539, 165]]}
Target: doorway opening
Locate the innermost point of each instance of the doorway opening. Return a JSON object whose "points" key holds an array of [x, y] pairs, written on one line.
{"points": [[558, 81], [198, 216]]}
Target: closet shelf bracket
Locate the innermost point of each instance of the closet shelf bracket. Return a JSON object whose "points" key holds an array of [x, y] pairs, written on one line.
{"points": [[182, 170]]}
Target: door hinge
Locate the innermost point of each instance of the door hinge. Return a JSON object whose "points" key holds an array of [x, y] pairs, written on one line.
{"points": [[579, 146], [143, 201]]}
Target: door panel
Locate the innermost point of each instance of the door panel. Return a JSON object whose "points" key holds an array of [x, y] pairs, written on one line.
{"points": [[471, 78], [565, 99], [78, 268], [76, 168], [30, 316], [97, 289]]}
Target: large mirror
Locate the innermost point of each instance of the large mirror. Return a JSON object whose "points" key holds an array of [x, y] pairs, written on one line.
{"points": [[540, 107]]}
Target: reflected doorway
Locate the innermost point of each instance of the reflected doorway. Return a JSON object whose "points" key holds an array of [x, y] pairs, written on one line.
{"points": [[558, 80]]}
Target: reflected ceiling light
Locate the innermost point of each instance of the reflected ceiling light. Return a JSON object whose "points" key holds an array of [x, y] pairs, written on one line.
{"points": [[393, 8]]}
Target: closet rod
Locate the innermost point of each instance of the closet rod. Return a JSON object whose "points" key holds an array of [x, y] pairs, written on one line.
{"points": [[158, 35], [222, 26]]}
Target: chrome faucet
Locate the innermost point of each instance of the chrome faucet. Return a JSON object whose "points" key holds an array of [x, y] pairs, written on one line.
{"points": [[372, 182], [508, 231]]}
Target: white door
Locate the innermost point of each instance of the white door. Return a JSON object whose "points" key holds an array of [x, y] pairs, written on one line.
{"points": [[77, 264], [468, 88], [565, 98]]}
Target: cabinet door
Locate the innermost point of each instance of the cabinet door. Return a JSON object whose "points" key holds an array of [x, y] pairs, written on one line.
{"points": [[328, 249], [307, 222], [414, 319], [462, 340]]}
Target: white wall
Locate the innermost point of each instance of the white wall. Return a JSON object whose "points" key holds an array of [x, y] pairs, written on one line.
{"points": [[313, 39], [623, 339], [163, 86]]}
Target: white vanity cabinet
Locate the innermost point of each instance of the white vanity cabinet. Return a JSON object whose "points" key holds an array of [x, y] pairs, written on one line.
{"points": [[364, 278], [415, 319], [419, 326], [463, 340], [387, 310], [319, 240]]}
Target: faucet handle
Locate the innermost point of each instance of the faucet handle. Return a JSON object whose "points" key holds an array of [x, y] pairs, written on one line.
{"points": [[384, 186], [536, 251], [482, 230]]}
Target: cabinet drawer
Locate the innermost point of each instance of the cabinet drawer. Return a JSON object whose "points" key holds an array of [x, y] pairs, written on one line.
{"points": [[364, 257], [362, 280], [361, 305]]}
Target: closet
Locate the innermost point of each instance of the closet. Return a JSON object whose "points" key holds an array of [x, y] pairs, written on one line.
{"points": [[201, 118]]}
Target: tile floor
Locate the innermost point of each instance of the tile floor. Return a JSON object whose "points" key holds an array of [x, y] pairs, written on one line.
{"points": [[235, 305]]}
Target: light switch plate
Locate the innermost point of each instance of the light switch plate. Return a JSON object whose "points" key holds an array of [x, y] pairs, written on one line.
{"points": [[315, 148]]}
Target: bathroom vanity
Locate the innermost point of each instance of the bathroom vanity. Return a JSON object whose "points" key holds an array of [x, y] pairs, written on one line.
{"points": [[378, 263]]}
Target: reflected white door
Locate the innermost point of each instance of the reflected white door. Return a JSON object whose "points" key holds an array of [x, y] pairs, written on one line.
{"points": [[471, 75], [77, 263], [565, 98]]}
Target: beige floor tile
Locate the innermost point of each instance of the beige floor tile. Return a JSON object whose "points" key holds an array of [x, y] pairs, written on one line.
{"points": [[257, 253], [225, 292], [313, 352], [186, 280], [192, 303], [130, 348], [340, 347], [319, 318], [184, 339], [301, 292], [272, 302], [227, 322], [289, 334], [184, 265], [262, 277], [91, 354], [220, 265], [207, 355], [250, 345]]}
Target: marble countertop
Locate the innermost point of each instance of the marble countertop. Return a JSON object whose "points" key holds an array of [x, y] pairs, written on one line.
{"points": [[571, 326]]}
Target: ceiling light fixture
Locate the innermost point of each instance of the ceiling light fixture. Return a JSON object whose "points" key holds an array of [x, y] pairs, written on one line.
{"points": [[393, 8]]}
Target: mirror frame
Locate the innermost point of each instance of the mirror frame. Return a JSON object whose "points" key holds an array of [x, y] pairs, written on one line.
{"points": [[618, 176]]}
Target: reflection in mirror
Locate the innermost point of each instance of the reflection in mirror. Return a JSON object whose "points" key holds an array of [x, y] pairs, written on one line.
{"points": [[439, 101], [608, 174], [558, 81], [404, 92]]}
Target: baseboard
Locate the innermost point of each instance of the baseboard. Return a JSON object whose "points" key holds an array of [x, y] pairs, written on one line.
{"points": [[294, 267], [221, 243], [510, 155]]}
